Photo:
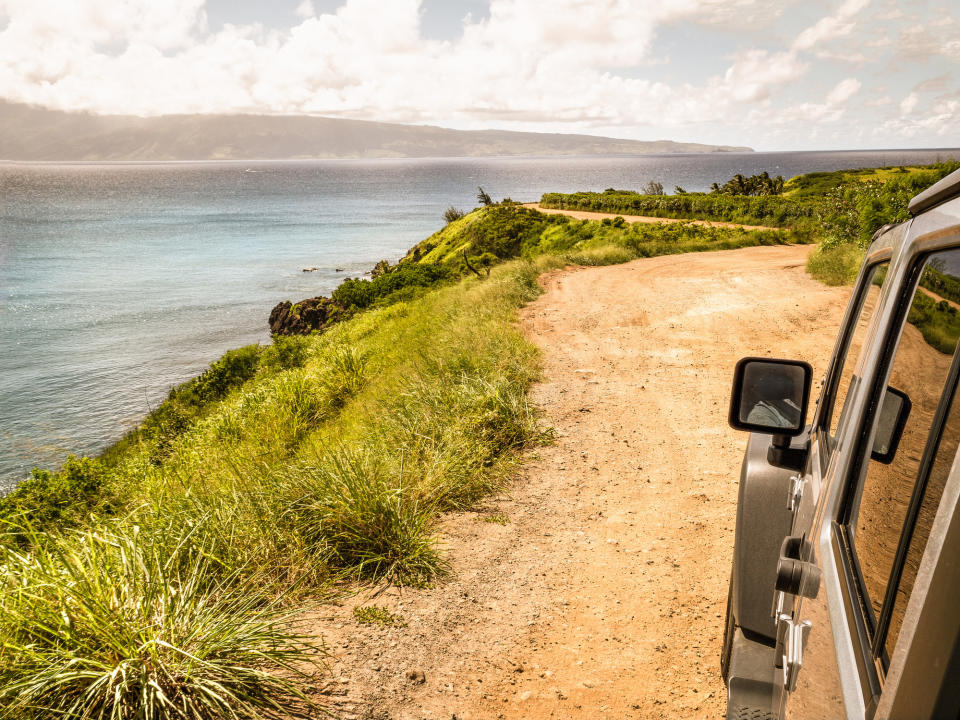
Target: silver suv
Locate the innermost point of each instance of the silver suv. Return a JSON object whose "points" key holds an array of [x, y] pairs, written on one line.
{"points": [[845, 590]]}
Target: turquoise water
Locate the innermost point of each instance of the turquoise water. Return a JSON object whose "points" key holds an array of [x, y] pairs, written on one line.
{"points": [[119, 281]]}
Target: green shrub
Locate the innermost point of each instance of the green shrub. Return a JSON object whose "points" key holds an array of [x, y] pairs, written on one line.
{"points": [[768, 210], [59, 498], [354, 293], [360, 294], [452, 213], [230, 371], [286, 352]]}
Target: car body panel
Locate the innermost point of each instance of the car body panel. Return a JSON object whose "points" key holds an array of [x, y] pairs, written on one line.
{"points": [[838, 677]]}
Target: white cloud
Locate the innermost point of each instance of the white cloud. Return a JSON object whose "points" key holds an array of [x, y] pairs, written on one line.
{"points": [[844, 90], [742, 13], [909, 103], [939, 36], [831, 110], [838, 25], [305, 10], [566, 65], [755, 73]]}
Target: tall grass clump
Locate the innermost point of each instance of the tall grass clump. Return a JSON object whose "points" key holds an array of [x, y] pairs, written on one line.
{"points": [[835, 265], [121, 623], [367, 520]]}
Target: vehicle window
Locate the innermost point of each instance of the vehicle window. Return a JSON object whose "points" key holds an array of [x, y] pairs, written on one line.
{"points": [[847, 360], [921, 367], [929, 496]]}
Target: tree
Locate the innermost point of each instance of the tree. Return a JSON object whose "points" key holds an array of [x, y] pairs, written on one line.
{"points": [[653, 188], [452, 213], [677, 190], [483, 198], [761, 184]]}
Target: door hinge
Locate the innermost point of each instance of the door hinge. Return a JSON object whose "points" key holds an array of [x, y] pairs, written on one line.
{"points": [[791, 639], [795, 492]]}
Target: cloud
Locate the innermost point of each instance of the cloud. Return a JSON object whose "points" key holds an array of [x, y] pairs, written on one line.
{"points": [[940, 83], [755, 73], [939, 36], [305, 10], [909, 103], [742, 13], [844, 90], [831, 110], [567, 65], [839, 24]]}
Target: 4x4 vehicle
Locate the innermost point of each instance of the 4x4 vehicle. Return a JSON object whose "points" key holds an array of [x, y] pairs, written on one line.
{"points": [[845, 590]]}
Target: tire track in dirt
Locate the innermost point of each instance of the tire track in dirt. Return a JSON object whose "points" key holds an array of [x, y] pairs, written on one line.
{"points": [[604, 594]]}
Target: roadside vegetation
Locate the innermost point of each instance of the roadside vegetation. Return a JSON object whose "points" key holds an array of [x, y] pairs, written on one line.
{"points": [[171, 564], [161, 580]]}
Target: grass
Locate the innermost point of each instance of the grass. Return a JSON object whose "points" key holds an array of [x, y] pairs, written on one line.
{"points": [[938, 322], [377, 615], [117, 623], [156, 581], [767, 210], [171, 600], [837, 265], [495, 518]]}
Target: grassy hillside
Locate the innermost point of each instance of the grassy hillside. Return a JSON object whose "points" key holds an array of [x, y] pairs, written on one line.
{"points": [[171, 560], [162, 578], [492, 234]]}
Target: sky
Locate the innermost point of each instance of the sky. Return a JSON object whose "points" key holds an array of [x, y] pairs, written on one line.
{"points": [[769, 74]]}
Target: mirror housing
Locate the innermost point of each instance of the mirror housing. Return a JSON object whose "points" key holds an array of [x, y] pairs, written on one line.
{"points": [[770, 396], [891, 420]]}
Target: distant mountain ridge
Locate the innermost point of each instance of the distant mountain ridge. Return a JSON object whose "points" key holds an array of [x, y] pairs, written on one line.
{"points": [[36, 134]]}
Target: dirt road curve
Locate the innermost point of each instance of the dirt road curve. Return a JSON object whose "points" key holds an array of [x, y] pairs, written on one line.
{"points": [[584, 215], [603, 595]]}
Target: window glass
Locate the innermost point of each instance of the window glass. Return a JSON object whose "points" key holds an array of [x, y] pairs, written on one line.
{"points": [[932, 492], [920, 369], [848, 360]]}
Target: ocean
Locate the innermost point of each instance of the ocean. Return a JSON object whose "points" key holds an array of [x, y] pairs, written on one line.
{"points": [[118, 281]]}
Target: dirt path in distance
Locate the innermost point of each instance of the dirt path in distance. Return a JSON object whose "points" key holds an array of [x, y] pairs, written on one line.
{"points": [[596, 588], [585, 215]]}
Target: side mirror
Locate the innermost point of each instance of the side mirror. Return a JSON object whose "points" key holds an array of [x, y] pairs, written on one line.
{"points": [[892, 419], [770, 396]]}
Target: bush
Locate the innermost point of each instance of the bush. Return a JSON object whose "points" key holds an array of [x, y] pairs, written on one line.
{"points": [[452, 213], [361, 294], [937, 321], [230, 371], [287, 352], [59, 498]]}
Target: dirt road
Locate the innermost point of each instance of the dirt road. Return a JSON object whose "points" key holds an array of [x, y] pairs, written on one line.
{"points": [[602, 594], [585, 215]]}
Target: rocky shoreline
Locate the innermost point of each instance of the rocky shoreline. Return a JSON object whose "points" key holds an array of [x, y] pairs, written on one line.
{"points": [[302, 318]]}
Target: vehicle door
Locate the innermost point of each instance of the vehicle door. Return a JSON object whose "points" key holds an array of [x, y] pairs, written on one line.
{"points": [[887, 433]]}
